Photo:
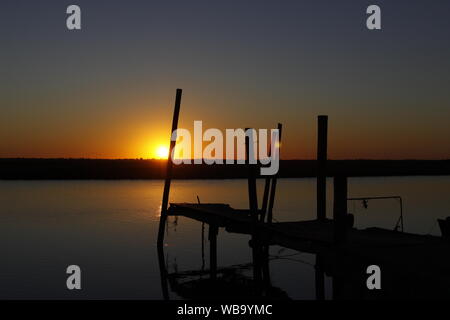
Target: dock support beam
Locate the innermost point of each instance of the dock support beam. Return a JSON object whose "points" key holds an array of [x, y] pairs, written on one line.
{"points": [[213, 231], [163, 273], [165, 200], [322, 132], [273, 188], [340, 209], [252, 192], [319, 279], [253, 201], [270, 185]]}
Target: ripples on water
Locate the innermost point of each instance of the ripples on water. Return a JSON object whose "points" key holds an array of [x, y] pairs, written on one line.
{"points": [[109, 228]]}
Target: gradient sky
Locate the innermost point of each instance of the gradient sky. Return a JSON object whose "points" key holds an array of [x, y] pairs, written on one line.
{"points": [[107, 91]]}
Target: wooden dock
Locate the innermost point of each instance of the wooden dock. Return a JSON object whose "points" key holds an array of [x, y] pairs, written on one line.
{"points": [[424, 258], [412, 265], [308, 236]]}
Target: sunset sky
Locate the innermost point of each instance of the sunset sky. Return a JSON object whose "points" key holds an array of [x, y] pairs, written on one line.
{"points": [[107, 91]]}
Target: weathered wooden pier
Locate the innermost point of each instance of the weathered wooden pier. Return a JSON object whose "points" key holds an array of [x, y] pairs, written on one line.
{"points": [[419, 264]]}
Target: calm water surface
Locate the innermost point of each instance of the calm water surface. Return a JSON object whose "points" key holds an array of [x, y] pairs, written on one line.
{"points": [[109, 229]]}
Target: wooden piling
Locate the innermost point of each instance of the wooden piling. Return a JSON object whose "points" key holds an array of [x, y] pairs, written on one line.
{"points": [[265, 259], [267, 206], [165, 200], [265, 200], [213, 231], [274, 181], [322, 132], [340, 208], [163, 272], [253, 204], [252, 192], [319, 279], [270, 184]]}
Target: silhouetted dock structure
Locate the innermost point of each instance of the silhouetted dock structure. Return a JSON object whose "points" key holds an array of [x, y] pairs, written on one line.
{"points": [[427, 256], [414, 263]]}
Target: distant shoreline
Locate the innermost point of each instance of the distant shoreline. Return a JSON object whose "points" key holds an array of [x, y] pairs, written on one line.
{"points": [[129, 169]]}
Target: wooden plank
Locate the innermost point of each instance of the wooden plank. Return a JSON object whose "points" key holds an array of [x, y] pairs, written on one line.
{"points": [[322, 132], [219, 214]]}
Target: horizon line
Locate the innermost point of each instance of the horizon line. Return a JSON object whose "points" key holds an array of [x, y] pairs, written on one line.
{"points": [[192, 159]]}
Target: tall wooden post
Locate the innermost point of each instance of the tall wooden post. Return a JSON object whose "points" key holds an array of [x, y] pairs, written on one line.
{"points": [[274, 180], [253, 204], [270, 181], [163, 272], [252, 192], [340, 208], [322, 132], [165, 200], [265, 200], [267, 207], [213, 231]]}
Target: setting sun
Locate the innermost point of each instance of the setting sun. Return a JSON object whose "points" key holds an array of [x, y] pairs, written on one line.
{"points": [[162, 152]]}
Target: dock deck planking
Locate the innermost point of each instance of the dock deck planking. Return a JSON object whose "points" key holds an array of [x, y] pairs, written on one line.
{"points": [[423, 255]]}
